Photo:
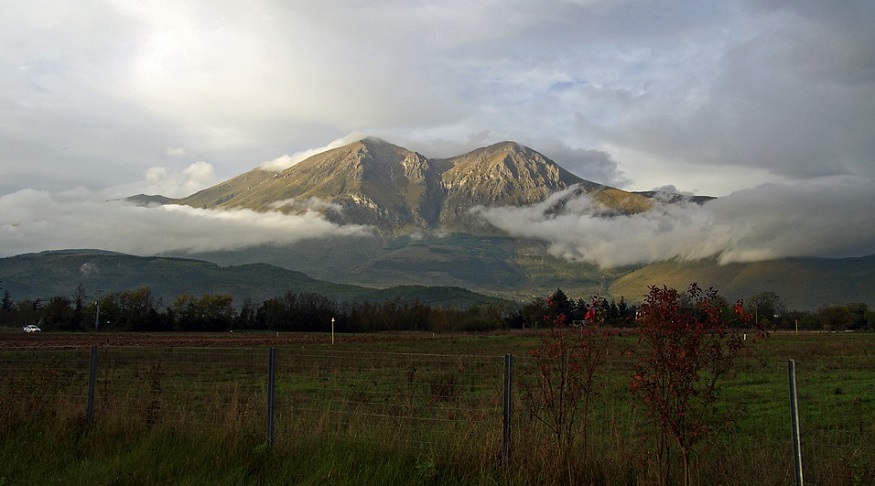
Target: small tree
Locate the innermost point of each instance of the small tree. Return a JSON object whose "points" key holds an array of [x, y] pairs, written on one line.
{"points": [[687, 350], [568, 363], [835, 317], [765, 307]]}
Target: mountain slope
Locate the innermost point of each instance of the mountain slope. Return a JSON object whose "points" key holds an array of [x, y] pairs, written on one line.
{"points": [[504, 174], [223, 192], [802, 283], [366, 182], [373, 182], [509, 174]]}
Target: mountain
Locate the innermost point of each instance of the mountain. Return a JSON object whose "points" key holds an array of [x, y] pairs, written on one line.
{"points": [[62, 273], [509, 174], [376, 183], [428, 235], [422, 207]]}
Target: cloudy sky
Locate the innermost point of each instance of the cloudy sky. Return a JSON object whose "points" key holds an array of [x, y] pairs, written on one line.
{"points": [[769, 105]]}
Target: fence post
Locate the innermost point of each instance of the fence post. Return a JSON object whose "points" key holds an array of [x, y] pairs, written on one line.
{"points": [[92, 383], [271, 381], [794, 422], [508, 381]]}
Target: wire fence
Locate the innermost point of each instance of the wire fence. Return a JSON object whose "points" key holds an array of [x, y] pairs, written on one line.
{"points": [[427, 401], [423, 400]]}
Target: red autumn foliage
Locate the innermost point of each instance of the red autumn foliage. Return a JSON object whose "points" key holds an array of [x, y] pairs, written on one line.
{"points": [[687, 349], [568, 360]]}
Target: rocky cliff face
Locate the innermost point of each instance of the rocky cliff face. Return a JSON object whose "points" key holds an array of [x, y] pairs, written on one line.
{"points": [[504, 174]]}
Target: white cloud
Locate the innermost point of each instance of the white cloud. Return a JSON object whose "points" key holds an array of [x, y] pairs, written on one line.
{"points": [[37, 220], [285, 161], [648, 171], [827, 217], [305, 205], [168, 182], [199, 173]]}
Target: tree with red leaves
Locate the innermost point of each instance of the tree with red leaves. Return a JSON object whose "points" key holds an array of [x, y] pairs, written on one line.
{"points": [[687, 349], [569, 360]]}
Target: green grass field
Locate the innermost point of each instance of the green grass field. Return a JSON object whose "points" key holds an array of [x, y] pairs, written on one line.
{"points": [[416, 410]]}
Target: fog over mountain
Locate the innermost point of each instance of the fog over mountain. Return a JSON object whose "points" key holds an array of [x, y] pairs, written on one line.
{"points": [[827, 217], [822, 217], [37, 220]]}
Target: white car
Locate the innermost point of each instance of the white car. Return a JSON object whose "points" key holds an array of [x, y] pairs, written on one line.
{"points": [[31, 328]]}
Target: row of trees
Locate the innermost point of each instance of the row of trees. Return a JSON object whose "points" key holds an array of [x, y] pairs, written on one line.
{"points": [[765, 309], [140, 310]]}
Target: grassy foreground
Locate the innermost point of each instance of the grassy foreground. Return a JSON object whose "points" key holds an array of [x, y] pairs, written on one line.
{"points": [[421, 410]]}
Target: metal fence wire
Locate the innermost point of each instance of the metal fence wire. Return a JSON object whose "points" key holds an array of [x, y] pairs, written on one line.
{"points": [[421, 399], [415, 400]]}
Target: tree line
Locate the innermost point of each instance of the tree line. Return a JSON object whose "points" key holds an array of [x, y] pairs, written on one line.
{"points": [[765, 309], [139, 310]]}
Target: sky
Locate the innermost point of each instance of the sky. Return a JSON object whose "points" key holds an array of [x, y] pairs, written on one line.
{"points": [[767, 104]]}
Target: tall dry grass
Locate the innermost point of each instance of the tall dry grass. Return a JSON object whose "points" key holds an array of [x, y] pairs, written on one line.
{"points": [[405, 416]]}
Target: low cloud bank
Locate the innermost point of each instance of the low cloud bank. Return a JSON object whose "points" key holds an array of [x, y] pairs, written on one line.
{"points": [[168, 182], [33, 221], [826, 217]]}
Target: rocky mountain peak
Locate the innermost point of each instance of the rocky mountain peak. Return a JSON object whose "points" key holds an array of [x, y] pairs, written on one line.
{"points": [[377, 183]]}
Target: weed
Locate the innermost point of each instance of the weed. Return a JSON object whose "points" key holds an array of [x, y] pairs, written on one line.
{"points": [[153, 408], [444, 387], [426, 470], [210, 426]]}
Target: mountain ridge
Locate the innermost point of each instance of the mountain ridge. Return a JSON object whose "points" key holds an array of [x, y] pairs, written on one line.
{"points": [[373, 182], [61, 273]]}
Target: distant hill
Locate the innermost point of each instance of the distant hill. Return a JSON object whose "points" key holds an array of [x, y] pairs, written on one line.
{"points": [[801, 283], [521, 270], [496, 271], [674, 198], [145, 200], [61, 273], [493, 265]]}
